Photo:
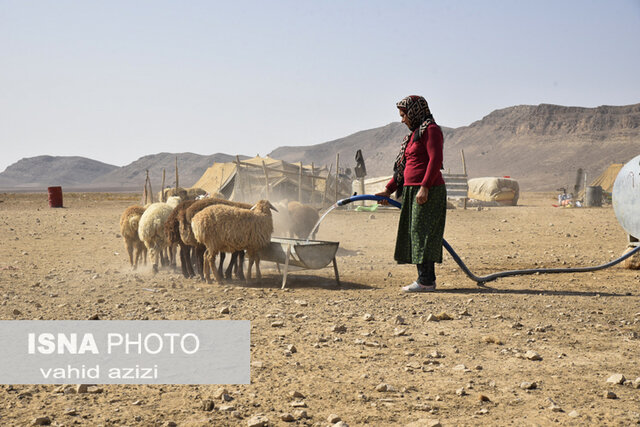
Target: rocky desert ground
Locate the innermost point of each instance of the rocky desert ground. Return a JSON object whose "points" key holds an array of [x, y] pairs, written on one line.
{"points": [[528, 350]]}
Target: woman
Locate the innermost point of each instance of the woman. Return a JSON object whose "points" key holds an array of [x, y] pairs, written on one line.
{"points": [[418, 178]]}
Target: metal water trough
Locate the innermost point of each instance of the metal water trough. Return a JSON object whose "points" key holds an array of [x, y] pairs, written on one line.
{"points": [[306, 254]]}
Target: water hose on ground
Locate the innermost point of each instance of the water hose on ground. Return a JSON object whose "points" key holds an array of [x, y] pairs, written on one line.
{"points": [[491, 277]]}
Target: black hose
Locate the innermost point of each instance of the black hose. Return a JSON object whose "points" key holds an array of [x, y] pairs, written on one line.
{"points": [[491, 277]]}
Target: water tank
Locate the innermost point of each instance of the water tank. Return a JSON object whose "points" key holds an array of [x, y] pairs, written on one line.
{"points": [[626, 197]]}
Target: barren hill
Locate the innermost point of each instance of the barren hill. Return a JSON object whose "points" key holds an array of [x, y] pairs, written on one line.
{"points": [[190, 168], [45, 171], [543, 146], [540, 146]]}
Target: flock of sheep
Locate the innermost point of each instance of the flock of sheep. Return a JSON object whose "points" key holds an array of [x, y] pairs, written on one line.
{"points": [[204, 226]]}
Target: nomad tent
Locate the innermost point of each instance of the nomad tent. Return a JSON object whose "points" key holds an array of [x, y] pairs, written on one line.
{"points": [[605, 180], [266, 178]]}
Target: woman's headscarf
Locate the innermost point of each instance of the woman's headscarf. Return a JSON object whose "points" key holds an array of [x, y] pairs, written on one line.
{"points": [[417, 110], [419, 115]]}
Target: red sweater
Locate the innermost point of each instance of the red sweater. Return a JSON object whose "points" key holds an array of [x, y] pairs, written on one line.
{"points": [[423, 160]]}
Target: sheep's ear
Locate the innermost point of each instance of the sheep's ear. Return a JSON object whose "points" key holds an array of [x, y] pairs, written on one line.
{"points": [[272, 207]]}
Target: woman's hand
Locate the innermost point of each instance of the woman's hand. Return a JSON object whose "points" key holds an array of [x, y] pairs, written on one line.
{"points": [[422, 196], [385, 193]]}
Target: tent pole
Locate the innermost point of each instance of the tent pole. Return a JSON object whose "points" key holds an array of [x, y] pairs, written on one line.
{"points": [[337, 173], [300, 183], [326, 186], [162, 188], [464, 171], [266, 180], [313, 183]]}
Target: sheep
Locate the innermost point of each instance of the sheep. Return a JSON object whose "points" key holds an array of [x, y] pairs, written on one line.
{"points": [[188, 238], [172, 234], [195, 192], [223, 228], [172, 192], [151, 228], [129, 230], [303, 219], [185, 193]]}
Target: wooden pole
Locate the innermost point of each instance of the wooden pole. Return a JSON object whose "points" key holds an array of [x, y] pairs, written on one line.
{"points": [[239, 182], [177, 173], [266, 180], [150, 192], [326, 186], [337, 173], [162, 188], [144, 191], [300, 184], [313, 183], [464, 171], [464, 164]]}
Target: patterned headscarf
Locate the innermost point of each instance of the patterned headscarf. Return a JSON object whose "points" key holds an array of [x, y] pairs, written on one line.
{"points": [[419, 115]]}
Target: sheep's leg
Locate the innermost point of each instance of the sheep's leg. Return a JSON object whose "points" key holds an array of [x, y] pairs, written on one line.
{"points": [[216, 273], [129, 245], [257, 261], [173, 250], [232, 263], [183, 260], [206, 267], [187, 259], [163, 257], [220, 268], [200, 251], [136, 258], [144, 254], [155, 257], [240, 265], [248, 278]]}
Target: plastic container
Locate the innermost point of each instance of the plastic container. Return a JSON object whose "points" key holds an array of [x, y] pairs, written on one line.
{"points": [[55, 197]]}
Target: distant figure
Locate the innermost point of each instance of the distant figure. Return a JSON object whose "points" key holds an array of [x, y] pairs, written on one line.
{"points": [[418, 179]]}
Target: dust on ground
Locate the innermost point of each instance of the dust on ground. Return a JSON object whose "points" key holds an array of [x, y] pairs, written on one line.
{"points": [[70, 263]]}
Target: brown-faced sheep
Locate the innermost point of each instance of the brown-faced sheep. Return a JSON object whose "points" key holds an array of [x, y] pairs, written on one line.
{"points": [[151, 228], [129, 230], [188, 238], [223, 228]]}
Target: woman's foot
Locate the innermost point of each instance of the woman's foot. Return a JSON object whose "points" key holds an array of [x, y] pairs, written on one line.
{"points": [[417, 287]]}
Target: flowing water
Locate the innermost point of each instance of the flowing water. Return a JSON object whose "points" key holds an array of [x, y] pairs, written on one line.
{"points": [[315, 227]]}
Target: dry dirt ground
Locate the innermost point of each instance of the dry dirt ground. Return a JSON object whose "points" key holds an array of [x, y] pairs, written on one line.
{"points": [[70, 263]]}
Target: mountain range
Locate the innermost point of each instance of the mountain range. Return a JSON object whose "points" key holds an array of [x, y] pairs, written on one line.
{"points": [[541, 146]]}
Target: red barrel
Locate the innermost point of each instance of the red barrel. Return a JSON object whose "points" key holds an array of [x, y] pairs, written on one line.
{"points": [[55, 197]]}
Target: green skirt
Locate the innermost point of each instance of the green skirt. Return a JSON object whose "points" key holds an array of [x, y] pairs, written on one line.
{"points": [[421, 227]]}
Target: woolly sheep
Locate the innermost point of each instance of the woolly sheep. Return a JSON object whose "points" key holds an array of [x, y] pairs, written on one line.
{"points": [[172, 234], [129, 230], [188, 238], [151, 228], [223, 228]]}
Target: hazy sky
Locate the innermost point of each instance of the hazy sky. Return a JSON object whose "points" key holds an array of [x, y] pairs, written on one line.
{"points": [[116, 80]]}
